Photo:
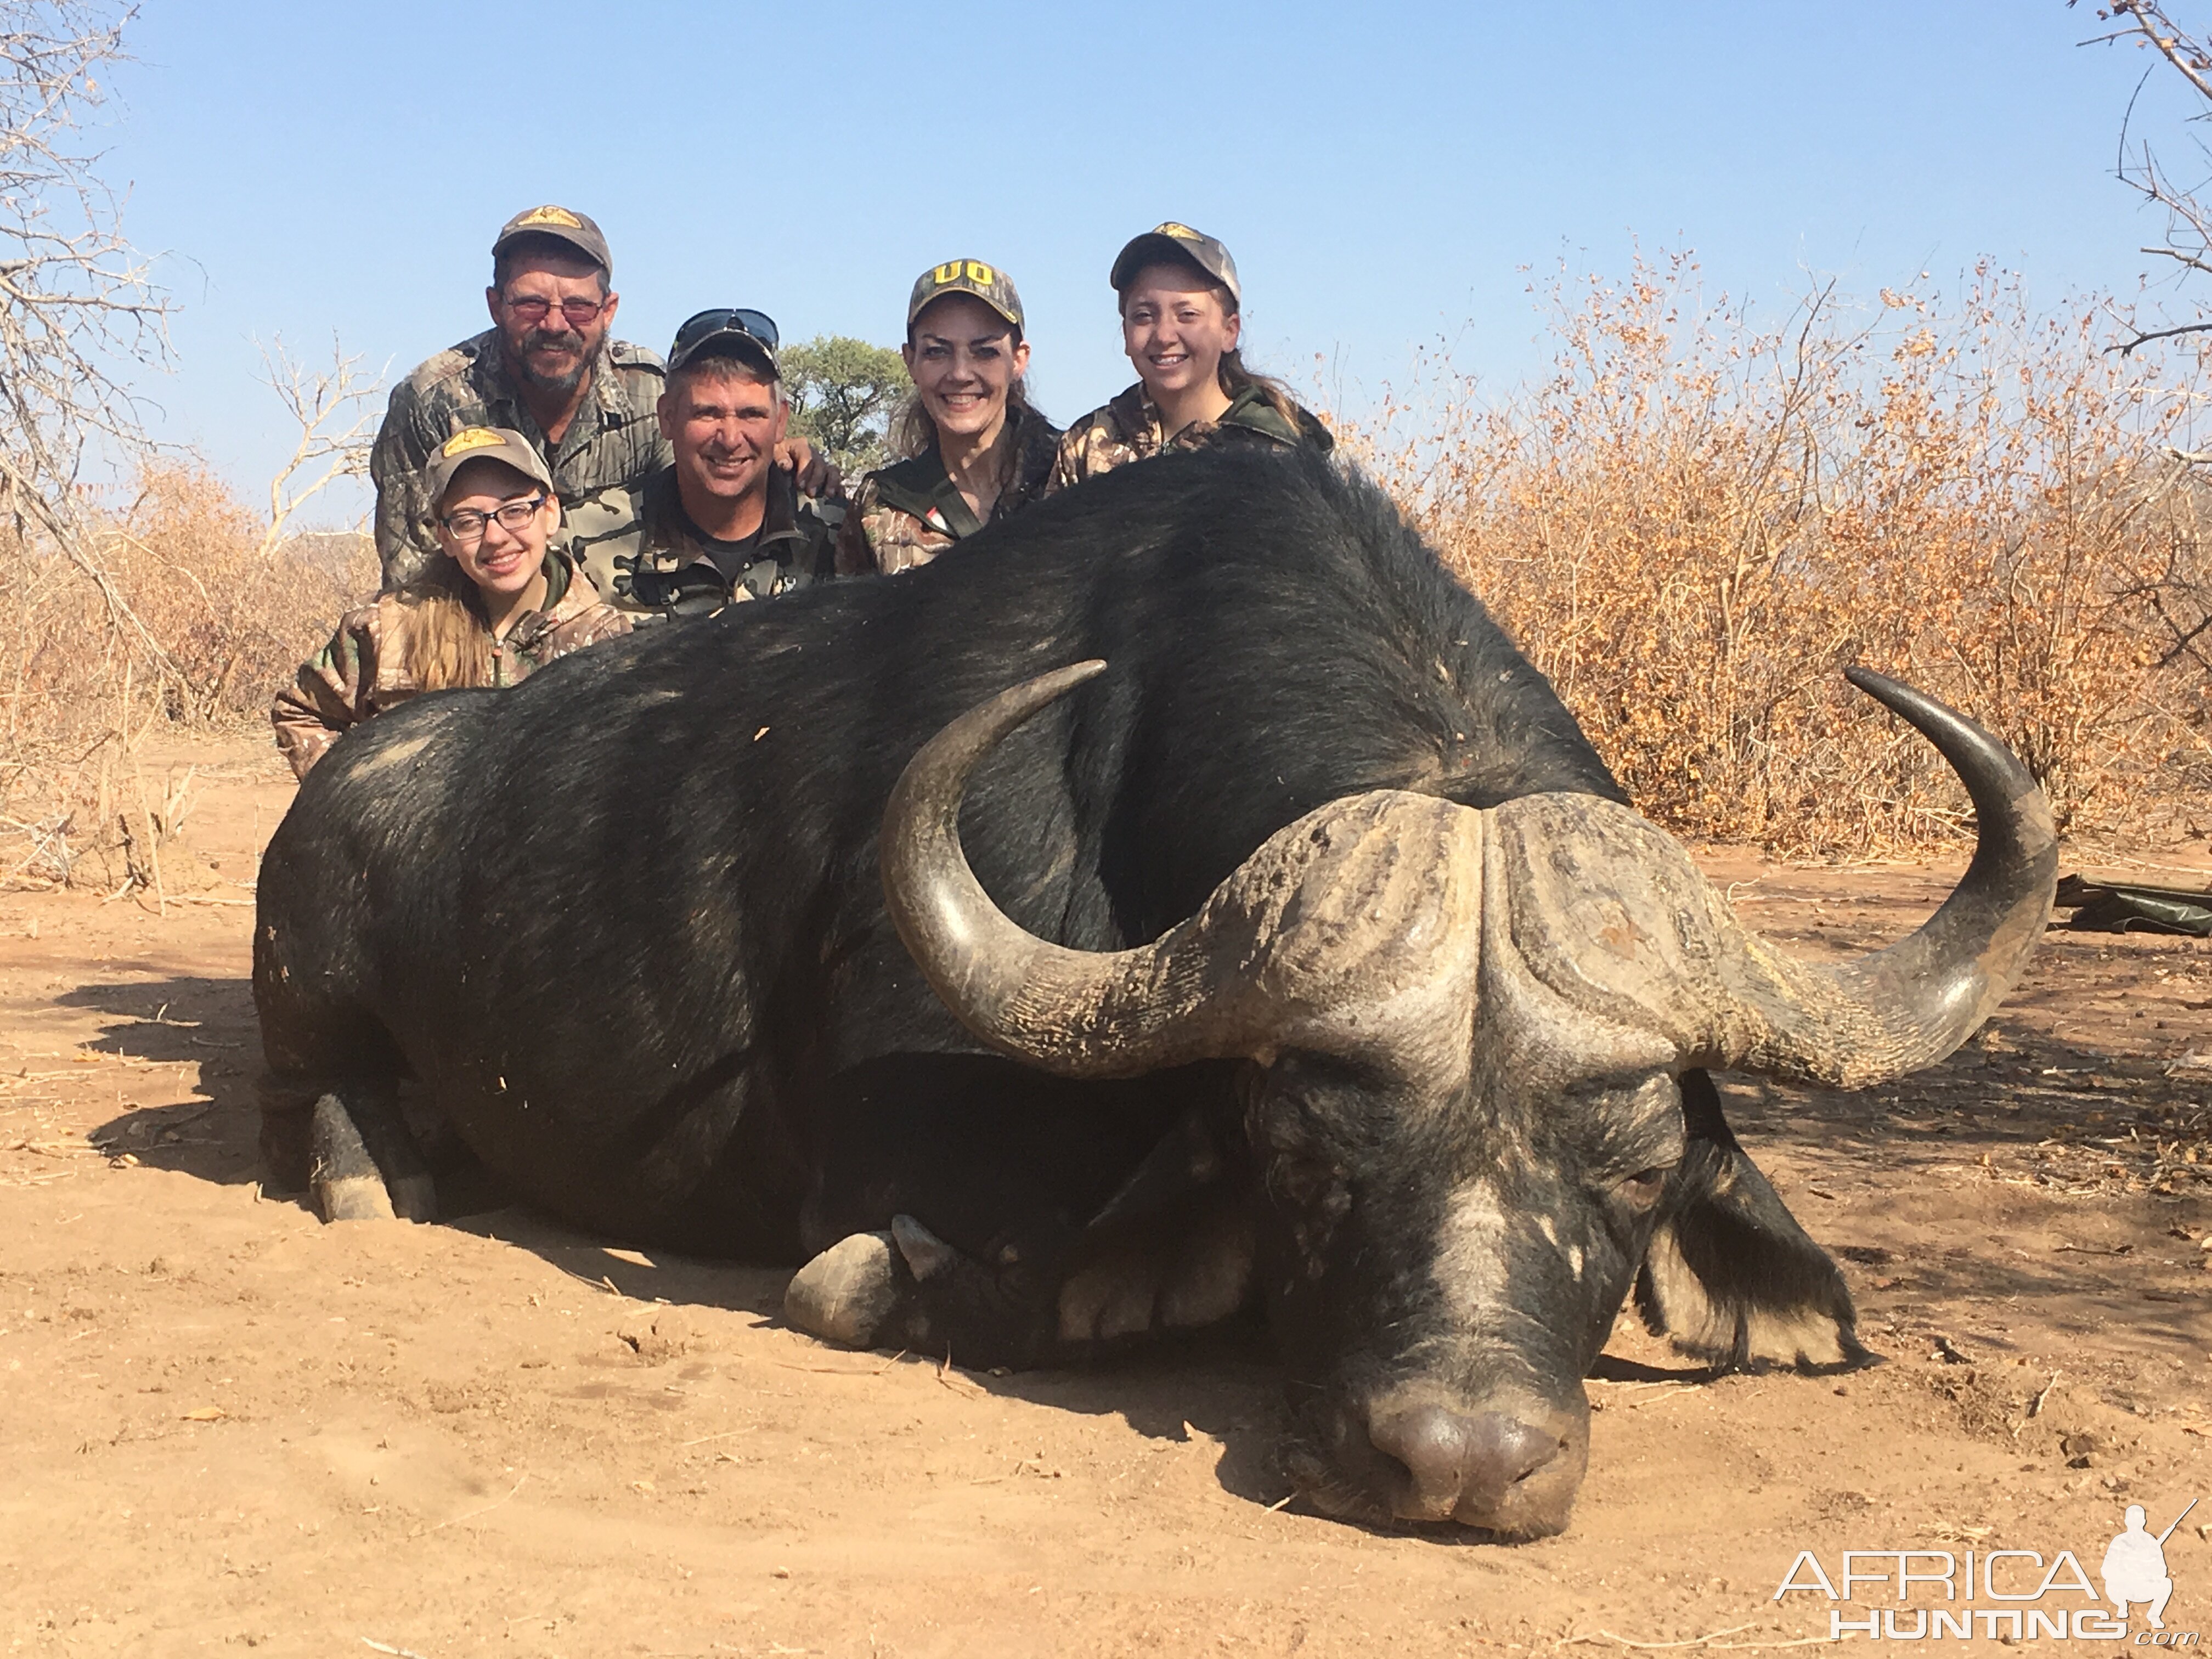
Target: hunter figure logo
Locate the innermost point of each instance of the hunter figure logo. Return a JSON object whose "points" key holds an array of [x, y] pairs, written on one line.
{"points": [[2134, 1566], [2031, 1598]]}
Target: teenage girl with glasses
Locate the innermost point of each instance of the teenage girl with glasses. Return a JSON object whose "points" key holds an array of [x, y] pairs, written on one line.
{"points": [[496, 603]]}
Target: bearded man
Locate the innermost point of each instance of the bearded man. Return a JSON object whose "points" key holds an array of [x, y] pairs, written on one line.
{"points": [[546, 367]]}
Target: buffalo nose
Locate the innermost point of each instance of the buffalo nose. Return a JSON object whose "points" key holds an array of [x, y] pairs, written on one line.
{"points": [[1453, 1461]]}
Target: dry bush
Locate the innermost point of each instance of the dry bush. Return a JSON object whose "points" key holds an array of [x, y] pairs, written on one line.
{"points": [[225, 611], [179, 605], [235, 607], [172, 605], [1695, 522]]}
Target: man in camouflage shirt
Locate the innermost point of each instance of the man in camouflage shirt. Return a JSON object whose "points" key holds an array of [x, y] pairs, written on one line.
{"points": [[723, 523], [546, 369]]}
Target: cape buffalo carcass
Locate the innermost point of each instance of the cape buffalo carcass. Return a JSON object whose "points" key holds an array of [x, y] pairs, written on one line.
{"points": [[1310, 958]]}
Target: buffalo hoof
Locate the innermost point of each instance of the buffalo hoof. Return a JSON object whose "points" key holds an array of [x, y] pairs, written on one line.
{"points": [[344, 1179], [848, 1292]]}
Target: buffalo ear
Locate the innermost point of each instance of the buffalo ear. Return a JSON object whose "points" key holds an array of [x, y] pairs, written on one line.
{"points": [[1729, 1275]]}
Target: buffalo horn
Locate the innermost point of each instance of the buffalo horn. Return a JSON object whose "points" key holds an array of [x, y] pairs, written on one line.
{"points": [[1083, 1013], [1853, 1024]]}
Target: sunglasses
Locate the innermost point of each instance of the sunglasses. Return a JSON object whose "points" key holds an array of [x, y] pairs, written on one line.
{"points": [[534, 309], [758, 325]]}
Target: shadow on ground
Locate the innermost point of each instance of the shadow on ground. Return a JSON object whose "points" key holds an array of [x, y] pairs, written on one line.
{"points": [[189, 1020]]}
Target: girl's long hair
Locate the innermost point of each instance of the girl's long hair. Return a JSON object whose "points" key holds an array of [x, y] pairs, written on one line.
{"points": [[1235, 378], [448, 640]]}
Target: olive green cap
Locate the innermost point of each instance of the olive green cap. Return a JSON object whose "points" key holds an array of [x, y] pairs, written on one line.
{"points": [[1169, 243], [481, 443], [986, 283], [564, 226]]}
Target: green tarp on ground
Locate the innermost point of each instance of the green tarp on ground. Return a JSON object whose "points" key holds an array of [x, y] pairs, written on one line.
{"points": [[2111, 908]]}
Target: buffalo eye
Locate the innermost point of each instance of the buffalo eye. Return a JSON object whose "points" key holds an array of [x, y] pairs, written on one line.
{"points": [[1308, 1181], [1641, 1190]]}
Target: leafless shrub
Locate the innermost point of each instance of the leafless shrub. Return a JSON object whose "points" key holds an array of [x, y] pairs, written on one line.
{"points": [[76, 306], [226, 602]]}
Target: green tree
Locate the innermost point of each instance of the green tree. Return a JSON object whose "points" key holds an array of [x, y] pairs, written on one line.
{"points": [[843, 392]]}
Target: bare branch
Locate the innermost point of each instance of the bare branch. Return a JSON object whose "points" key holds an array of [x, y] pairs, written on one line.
{"points": [[317, 400], [78, 309], [335, 412], [2149, 23], [2144, 337], [2195, 262]]}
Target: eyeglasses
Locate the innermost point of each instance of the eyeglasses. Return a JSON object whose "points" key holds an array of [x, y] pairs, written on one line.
{"points": [[757, 324], [466, 527], [533, 308]]}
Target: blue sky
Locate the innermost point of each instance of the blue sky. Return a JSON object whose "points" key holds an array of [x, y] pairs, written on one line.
{"points": [[1385, 174]]}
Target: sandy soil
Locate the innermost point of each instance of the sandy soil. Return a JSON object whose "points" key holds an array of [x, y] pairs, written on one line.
{"points": [[223, 1425]]}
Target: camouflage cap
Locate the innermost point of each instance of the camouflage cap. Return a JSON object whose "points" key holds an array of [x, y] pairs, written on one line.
{"points": [[481, 443], [1172, 242], [564, 226], [986, 283]]}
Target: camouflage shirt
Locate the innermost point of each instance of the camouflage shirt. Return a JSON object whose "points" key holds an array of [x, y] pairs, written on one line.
{"points": [[362, 672], [1129, 429], [614, 438], [641, 549], [906, 515]]}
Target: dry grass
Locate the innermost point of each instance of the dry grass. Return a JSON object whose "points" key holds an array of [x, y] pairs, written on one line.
{"points": [[1694, 522], [221, 611]]}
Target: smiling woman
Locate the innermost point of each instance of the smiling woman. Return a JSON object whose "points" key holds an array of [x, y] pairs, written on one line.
{"points": [[976, 449], [496, 603], [1182, 316]]}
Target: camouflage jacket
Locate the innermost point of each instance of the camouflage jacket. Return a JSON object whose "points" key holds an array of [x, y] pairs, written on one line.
{"points": [[643, 552], [362, 672], [1129, 429], [906, 515], [615, 438]]}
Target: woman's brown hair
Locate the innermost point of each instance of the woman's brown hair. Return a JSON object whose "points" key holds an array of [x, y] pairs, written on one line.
{"points": [[1236, 379], [912, 431], [448, 640]]}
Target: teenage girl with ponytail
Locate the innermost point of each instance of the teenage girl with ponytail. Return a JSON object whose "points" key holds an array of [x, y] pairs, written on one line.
{"points": [[1180, 318]]}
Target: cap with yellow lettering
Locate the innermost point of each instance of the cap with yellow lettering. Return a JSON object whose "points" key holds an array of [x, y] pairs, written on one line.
{"points": [[481, 443], [986, 283], [1169, 243], [562, 225]]}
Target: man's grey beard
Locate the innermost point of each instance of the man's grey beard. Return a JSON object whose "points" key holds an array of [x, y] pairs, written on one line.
{"points": [[563, 384]]}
